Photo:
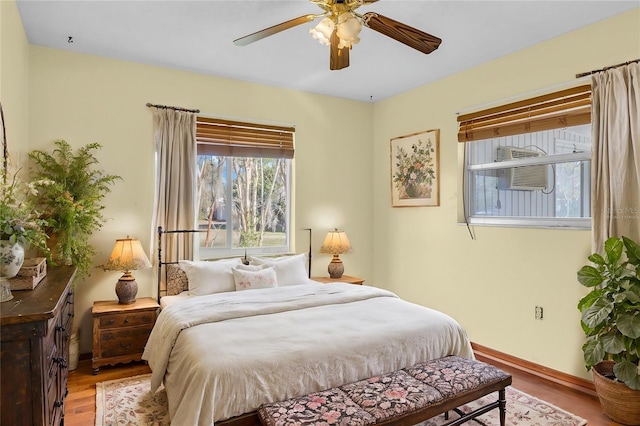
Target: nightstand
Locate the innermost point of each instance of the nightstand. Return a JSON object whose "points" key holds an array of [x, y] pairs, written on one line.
{"points": [[120, 332], [343, 279]]}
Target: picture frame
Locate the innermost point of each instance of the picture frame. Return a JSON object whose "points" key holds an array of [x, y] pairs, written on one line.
{"points": [[415, 169]]}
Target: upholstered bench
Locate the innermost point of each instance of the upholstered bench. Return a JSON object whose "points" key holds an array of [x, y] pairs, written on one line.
{"points": [[403, 397]]}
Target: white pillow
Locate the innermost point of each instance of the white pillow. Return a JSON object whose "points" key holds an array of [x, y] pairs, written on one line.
{"points": [[290, 270], [207, 277], [260, 278]]}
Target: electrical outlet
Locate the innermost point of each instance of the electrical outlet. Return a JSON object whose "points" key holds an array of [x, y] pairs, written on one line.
{"points": [[538, 312]]}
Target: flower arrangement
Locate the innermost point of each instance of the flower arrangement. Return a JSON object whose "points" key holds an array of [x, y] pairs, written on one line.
{"points": [[71, 201], [415, 171], [20, 222]]}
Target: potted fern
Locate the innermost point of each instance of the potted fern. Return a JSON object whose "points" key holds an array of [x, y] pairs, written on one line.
{"points": [[71, 200], [611, 322]]}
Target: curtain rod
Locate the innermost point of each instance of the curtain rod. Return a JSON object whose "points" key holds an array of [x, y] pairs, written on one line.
{"points": [[173, 107], [606, 68]]}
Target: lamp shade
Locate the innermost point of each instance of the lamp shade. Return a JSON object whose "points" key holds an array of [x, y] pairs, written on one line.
{"points": [[322, 31], [127, 255], [336, 242]]}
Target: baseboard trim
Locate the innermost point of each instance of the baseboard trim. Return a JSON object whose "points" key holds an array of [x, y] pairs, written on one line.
{"points": [[538, 370]]}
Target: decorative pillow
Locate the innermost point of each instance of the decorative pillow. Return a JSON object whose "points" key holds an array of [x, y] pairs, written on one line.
{"points": [[260, 278], [177, 280], [207, 277], [290, 270]]}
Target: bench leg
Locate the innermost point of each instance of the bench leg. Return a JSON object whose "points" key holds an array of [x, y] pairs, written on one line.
{"points": [[502, 401]]}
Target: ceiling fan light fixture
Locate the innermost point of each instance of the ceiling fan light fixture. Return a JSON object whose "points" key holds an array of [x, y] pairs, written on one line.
{"points": [[347, 44], [349, 27], [322, 31]]}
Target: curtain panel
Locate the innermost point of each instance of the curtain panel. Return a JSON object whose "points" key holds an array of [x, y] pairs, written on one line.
{"points": [[176, 170], [615, 165]]}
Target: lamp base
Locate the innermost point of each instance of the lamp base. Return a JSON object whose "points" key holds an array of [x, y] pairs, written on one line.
{"points": [[336, 268], [127, 289]]}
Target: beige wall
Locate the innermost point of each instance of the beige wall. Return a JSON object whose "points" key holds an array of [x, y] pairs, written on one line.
{"points": [[14, 80], [490, 284], [341, 177], [82, 99]]}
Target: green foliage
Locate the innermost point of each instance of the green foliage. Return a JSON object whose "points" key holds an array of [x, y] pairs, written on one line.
{"points": [[20, 222], [611, 310], [71, 202]]}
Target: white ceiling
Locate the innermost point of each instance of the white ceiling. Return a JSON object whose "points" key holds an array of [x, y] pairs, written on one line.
{"points": [[197, 36]]}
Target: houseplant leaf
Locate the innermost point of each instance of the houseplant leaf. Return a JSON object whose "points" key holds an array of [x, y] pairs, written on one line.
{"points": [[633, 250], [589, 276], [627, 372], [613, 249], [612, 343], [593, 353], [629, 324], [597, 313]]}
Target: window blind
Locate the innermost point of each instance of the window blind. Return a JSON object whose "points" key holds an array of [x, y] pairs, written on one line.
{"points": [[239, 139], [569, 107]]}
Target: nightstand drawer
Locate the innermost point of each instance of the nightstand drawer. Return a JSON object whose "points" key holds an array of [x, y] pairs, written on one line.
{"points": [[131, 319], [123, 342]]}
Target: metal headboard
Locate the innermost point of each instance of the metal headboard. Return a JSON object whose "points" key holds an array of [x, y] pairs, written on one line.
{"points": [[179, 243]]}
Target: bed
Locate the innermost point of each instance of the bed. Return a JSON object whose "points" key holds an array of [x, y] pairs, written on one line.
{"points": [[221, 355]]}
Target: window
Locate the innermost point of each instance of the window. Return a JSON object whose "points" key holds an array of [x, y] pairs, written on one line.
{"points": [[528, 163], [244, 188]]}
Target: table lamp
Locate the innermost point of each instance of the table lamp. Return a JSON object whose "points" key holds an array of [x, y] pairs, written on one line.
{"points": [[336, 243], [127, 256]]}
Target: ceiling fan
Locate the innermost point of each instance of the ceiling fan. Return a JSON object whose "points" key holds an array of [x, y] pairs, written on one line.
{"points": [[341, 25]]}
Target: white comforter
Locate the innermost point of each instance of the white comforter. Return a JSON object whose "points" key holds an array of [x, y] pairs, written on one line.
{"points": [[226, 354]]}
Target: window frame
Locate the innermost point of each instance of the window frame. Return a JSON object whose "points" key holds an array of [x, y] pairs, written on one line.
{"points": [[233, 139], [562, 109]]}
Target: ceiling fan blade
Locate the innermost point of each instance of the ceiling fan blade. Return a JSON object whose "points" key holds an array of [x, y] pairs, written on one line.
{"points": [[338, 58], [412, 37], [243, 41]]}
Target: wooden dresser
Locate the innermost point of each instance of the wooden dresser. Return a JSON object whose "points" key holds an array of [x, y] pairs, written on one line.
{"points": [[35, 332]]}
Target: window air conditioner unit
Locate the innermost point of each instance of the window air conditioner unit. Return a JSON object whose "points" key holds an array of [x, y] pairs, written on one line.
{"points": [[525, 178]]}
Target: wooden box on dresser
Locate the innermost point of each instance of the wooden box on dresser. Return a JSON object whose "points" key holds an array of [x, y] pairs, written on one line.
{"points": [[35, 333]]}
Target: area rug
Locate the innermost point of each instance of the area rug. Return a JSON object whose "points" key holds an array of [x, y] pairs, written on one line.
{"points": [[130, 402]]}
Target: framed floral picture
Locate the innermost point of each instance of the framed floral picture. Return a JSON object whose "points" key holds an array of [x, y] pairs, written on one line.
{"points": [[415, 169]]}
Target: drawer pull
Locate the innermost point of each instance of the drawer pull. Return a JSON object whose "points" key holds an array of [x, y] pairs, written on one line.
{"points": [[127, 346], [126, 320], [62, 363], [111, 321]]}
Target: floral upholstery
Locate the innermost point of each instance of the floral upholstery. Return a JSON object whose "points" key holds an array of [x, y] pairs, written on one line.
{"points": [[452, 375], [391, 395], [380, 398], [177, 281], [330, 407]]}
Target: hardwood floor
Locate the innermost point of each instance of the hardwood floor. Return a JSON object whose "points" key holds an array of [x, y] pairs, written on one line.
{"points": [[80, 406]]}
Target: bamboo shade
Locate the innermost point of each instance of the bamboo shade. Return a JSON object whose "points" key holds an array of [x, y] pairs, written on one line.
{"points": [[570, 107], [238, 139]]}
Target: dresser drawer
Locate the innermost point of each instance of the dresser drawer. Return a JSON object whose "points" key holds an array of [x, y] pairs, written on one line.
{"points": [[126, 341], [127, 320]]}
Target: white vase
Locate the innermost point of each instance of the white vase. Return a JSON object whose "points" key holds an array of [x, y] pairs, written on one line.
{"points": [[11, 258]]}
